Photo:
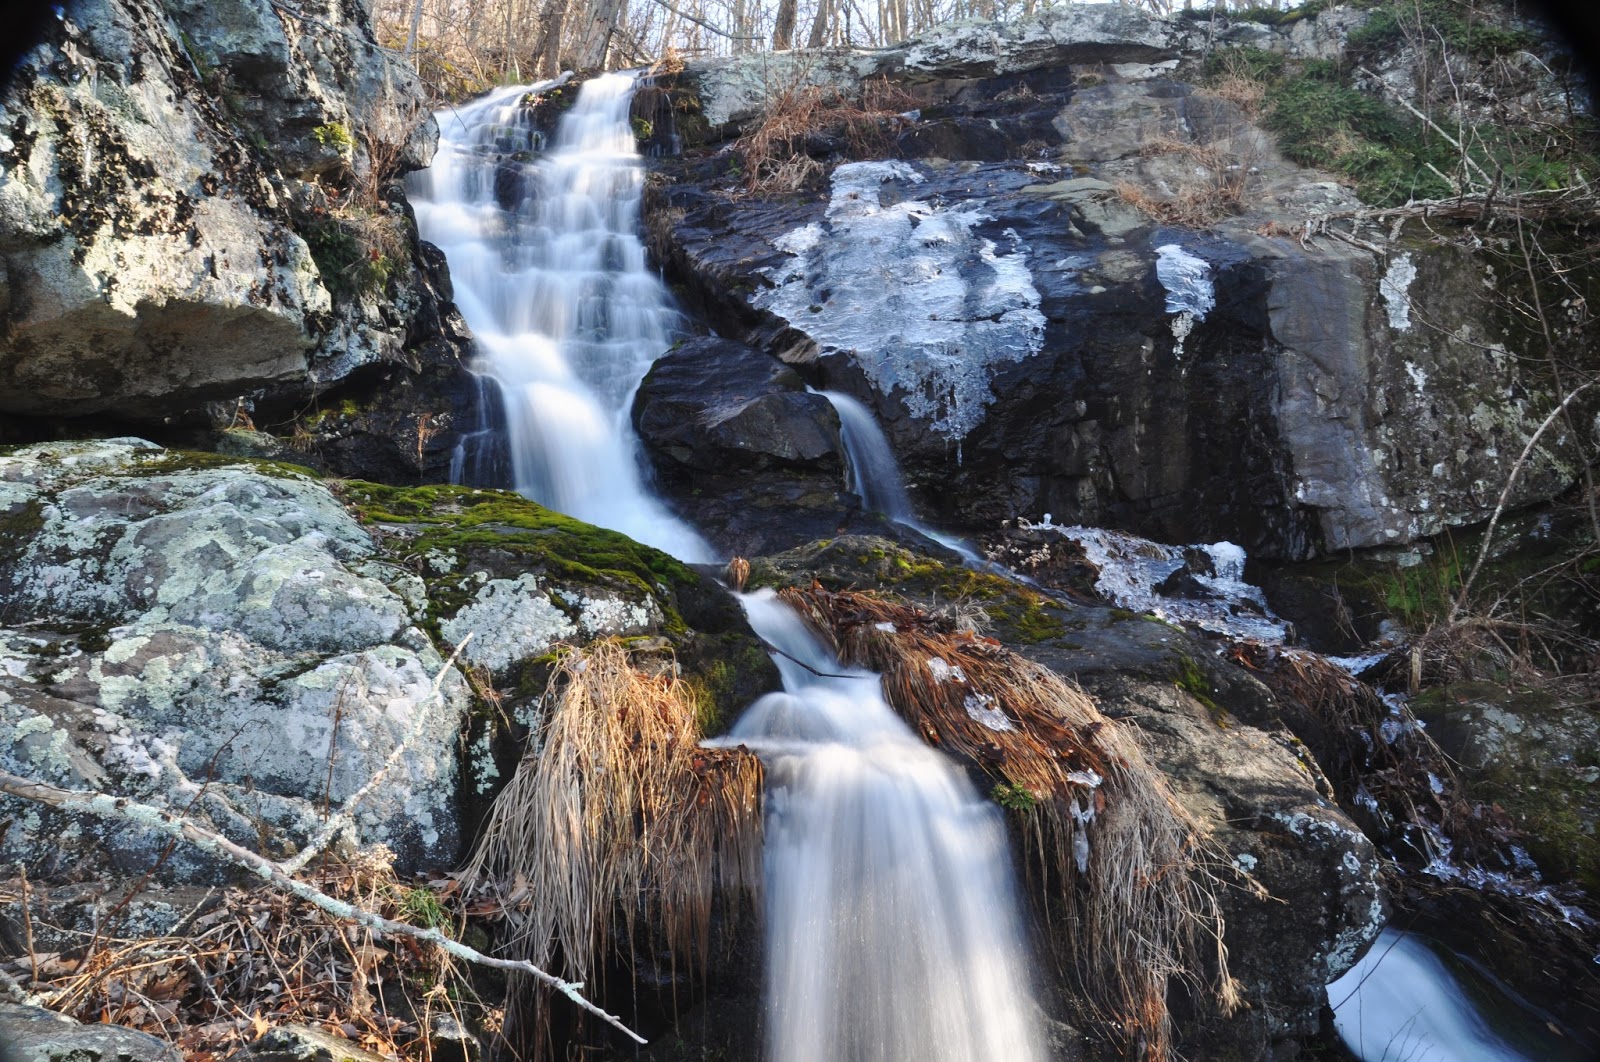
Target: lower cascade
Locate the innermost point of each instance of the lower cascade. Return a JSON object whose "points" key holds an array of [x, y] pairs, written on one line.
{"points": [[892, 923]]}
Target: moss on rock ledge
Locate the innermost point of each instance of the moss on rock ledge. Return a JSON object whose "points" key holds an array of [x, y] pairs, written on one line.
{"points": [[521, 577]]}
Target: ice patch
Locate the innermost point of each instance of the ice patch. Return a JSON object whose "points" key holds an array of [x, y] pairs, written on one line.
{"points": [[1132, 571], [1393, 287], [926, 305], [981, 707], [943, 672], [1187, 280]]}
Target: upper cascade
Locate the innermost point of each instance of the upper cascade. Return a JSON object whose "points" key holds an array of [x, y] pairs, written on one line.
{"points": [[550, 273]]}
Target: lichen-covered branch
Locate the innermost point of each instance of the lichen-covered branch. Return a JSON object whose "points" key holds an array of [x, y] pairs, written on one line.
{"points": [[105, 806]]}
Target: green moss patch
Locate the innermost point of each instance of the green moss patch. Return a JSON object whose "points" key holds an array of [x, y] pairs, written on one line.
{"points": [[527, 537], [1018, 615]]}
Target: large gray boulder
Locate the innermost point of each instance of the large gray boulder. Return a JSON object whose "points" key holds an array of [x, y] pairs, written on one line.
{"points": [[224, 638], [169, 231], [218, 639]]}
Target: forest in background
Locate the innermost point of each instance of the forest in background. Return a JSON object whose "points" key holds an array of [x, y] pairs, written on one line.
{"points": [[464, 46]]}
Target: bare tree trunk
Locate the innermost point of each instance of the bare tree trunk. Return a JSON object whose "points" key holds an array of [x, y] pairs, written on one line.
{"points": [[741, 27], [597, 34], [551, 22], [783, 27], [819, 25], [411, 36]]}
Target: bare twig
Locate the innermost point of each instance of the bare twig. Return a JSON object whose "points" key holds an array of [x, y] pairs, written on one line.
{"points": [[1431, 124], [341, 818], [103, 805], [1505, 495]]}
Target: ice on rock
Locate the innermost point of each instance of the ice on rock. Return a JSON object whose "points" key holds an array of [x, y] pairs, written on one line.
{"points": [[927, 305]]}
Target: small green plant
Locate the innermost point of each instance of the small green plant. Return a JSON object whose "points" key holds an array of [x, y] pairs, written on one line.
{"points": [[421, 907], [334, 135], [1014, 797], [642, 129], [349, 253]]}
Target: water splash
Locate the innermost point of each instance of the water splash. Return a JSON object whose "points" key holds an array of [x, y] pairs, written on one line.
{"points": [[551, 275], [892, 918]]}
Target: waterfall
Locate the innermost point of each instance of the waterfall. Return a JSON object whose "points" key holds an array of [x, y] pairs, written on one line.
{"points": [[550, 273], [873, 475], [893, 930], [892, 919]]}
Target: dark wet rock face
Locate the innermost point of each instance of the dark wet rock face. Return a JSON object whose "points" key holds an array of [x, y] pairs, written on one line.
{"points": [[1033, 343], [740, 445]]}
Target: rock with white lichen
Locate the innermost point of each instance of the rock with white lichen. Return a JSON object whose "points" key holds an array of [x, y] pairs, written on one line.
{"points": [[232, 639], [33, 1034]]}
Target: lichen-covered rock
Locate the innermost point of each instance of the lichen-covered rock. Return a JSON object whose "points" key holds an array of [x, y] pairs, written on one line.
{"points": [[198, 204], [33, 1034], [187, 630], [141, 254], [1534, 754], [225, 637]]}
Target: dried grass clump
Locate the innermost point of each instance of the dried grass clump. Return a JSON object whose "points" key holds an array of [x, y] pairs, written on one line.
{"points": [[774, 156], [242, 961], [1379, 759], [1104, 836], [615, 818], [1216, 189]]}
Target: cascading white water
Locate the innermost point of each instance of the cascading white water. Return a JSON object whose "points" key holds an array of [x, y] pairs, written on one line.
{"points": [[550, 273], [892, 923], [1401, 1002], [893, 931], [874, 474]]}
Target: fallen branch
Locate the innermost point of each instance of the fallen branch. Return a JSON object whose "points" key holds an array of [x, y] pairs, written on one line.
{"points": [[105, 806], [343, 817]]}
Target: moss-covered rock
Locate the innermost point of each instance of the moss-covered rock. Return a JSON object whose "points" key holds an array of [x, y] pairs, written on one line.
{"points": [[168, 618], [1535, 754]]}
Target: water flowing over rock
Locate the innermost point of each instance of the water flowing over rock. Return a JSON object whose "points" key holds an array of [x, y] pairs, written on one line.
{"points": [[551, 272]]}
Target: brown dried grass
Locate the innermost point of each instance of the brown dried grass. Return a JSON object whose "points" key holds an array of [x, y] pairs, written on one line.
{"points": [[1217, 191], [773, 154], [1365, 747], [615, 818], [245, 960], [1142, 910]]}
